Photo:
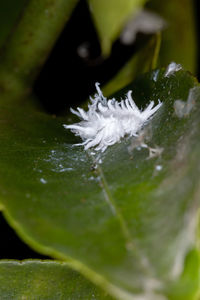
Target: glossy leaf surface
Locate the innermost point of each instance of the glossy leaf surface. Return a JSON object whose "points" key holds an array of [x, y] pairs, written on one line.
{"points": [[128, 222]]}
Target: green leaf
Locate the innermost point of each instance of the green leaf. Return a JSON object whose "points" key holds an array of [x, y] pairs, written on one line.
{"points": [[188, 285], [128, 223], [9, 12], [143, 61], [30, 43], [110, 17], [32, 279], [179, 42]]}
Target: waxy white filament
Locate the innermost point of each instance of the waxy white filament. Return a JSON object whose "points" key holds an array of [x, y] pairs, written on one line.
{"points": [[107, 121]]}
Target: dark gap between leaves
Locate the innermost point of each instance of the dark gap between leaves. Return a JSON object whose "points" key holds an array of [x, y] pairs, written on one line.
{"points": [[11, 247]]}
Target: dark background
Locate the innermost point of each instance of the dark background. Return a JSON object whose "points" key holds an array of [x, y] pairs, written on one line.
{"points": [[56, 87]]}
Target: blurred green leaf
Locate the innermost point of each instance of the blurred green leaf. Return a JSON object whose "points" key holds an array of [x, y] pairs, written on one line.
{"points": [[143, 61], [34, 279], [179, 42], [127, 223], [9, 12], [110, 17], [188, 287], [30, 43]]}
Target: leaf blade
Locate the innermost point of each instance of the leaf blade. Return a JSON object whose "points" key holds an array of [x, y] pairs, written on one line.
{"points": [[178, 45], [110, 17], [31, 279], [73, 220]]}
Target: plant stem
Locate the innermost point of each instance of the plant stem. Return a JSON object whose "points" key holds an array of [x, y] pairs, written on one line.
{"points": [[31, 41], [155, 57]]}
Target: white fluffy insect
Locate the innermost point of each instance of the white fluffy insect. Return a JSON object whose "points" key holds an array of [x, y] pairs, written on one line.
{"points": [[107, 121]]}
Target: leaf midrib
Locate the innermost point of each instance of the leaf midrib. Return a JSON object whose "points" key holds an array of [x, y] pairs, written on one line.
{"points": [[110, 200]]}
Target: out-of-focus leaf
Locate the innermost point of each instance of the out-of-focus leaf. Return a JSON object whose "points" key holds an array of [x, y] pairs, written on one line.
{"points": [[9, 12], [188, 287], [179, 42], [143, 61], [30, 43], [32, 279], [110, 17], [145, 22], [127, 223]]}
